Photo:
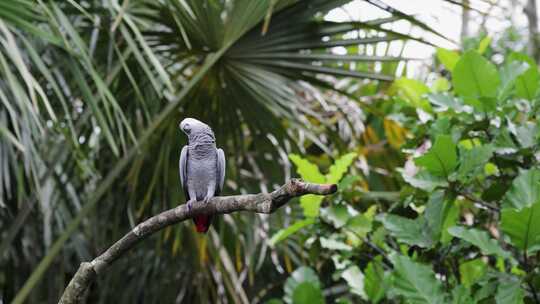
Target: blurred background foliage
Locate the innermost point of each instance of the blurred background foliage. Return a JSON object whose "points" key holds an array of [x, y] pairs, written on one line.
{"points": [[91, 95]]}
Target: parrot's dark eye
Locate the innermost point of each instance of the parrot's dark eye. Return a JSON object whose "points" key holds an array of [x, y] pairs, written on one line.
{"points": [[187, 128]]}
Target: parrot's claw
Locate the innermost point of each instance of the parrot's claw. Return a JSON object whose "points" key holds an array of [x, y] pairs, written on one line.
{"points": [[206, 199], [190, 204]]}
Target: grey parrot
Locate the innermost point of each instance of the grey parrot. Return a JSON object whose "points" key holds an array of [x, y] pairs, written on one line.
{"points": [[202, 167]]}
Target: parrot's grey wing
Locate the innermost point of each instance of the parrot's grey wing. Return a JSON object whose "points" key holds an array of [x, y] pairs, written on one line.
{"points": [[220, 170], [183, 170]]}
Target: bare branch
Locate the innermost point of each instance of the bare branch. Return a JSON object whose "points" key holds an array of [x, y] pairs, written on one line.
{"points": [[259, 203]]}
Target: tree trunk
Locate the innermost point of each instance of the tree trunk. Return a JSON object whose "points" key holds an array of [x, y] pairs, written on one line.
{"points": [[465, 17], [532, 18]]}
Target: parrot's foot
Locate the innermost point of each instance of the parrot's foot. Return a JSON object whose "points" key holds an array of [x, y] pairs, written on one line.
{"points": [[206, 199], [190, 204]]}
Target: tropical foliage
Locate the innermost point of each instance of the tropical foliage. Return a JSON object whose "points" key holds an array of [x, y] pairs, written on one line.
{"points": [[91, 94], [456, 221], [439, 183]]}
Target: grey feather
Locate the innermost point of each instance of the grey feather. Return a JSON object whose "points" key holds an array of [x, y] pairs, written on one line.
{"points": [[220, 169], [183, 169]]}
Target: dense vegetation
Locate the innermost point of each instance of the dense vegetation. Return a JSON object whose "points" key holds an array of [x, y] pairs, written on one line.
{"points": [[439, 183], [462, 224]]}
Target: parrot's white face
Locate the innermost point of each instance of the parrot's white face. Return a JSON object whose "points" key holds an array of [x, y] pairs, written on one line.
{"points": [[191, 126]]}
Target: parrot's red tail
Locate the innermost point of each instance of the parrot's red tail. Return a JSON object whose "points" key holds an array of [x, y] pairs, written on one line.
{"points": [[202, 223]]}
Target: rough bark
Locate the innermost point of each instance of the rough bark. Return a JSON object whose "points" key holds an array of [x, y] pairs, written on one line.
{"points": [[259, 203]]}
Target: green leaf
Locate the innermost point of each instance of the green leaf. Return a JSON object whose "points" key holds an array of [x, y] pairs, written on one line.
{"points": [[424, 180], [444, 101], [491, 169], [340, 167], [411, 232], [441, 159], [334, 244], [461, 295], [509, 291], [480, 239], [510, 73], [303, 286], [282, 234], [375, 280], [526, 84], [440, 85], [471, 271], [412, 91], [475, 77], [359, 224], [347, 182], [307, 170], [486, 291], [358, 227], [307, 293], [484, 44], [415, 282], [311, 204], [438, 215], [355, 279], [472, 161], [525, 190], [448, 58], [527, 134], [336, 214], [504, 143], [522, 227], [452, 216]]}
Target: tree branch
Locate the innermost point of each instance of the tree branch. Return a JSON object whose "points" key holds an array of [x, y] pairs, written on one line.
{"points": [[259, 203]]}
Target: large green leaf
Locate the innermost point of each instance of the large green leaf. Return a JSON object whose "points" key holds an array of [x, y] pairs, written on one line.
{"points": [[525, 190], [441, 159], [448, 58], [474, 76], [522, 227], [526, 84], [510, 73], [307, 293], [411, 232], [303, 287], [424, 180], [416, 282], [472, 161], [479, 239], [509, 291]]}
